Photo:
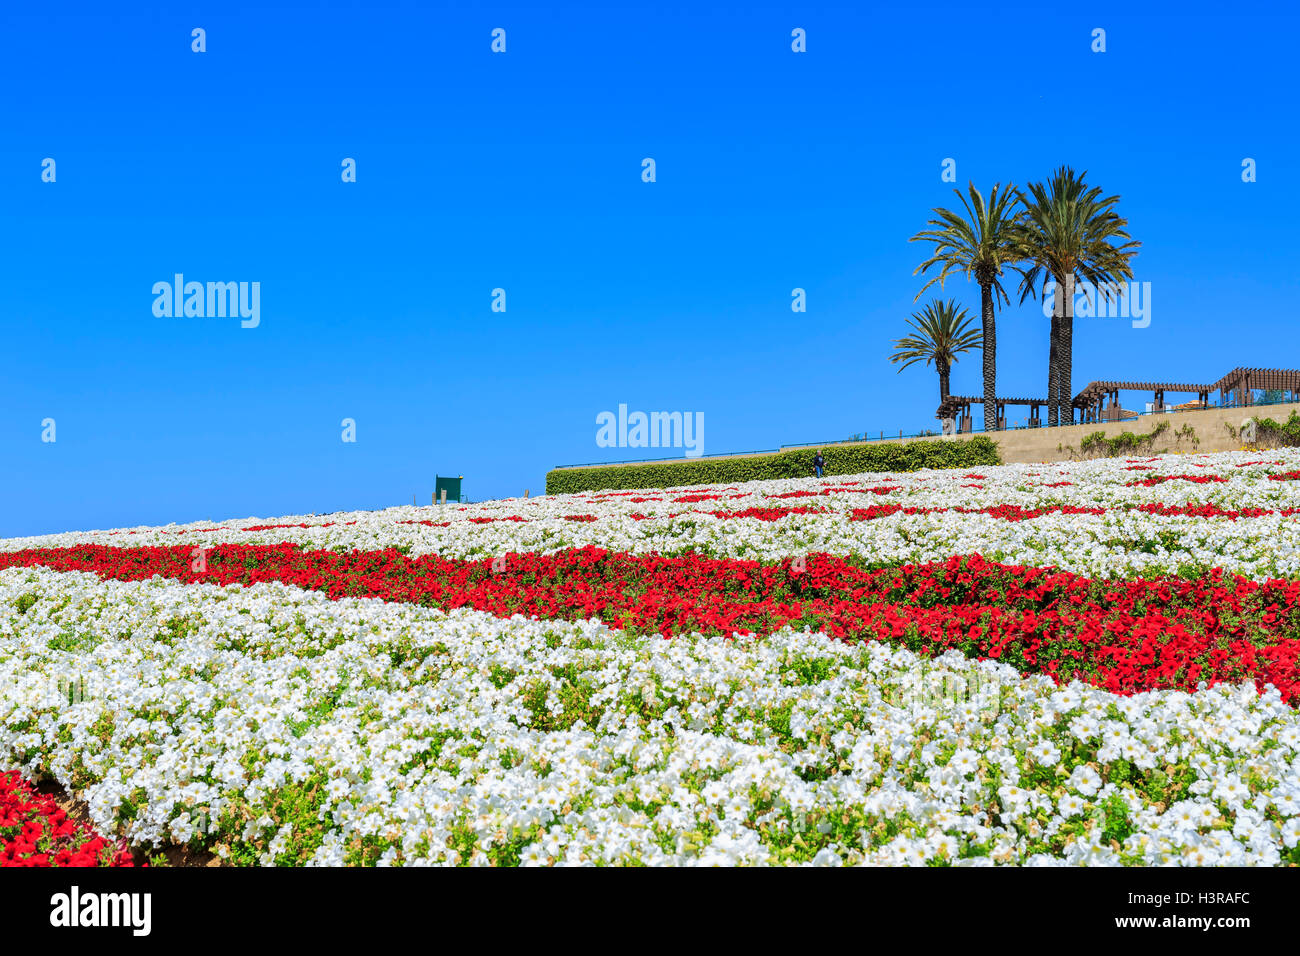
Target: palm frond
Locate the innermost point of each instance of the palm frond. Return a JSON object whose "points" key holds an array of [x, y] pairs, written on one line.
{"points": [[941, 332], [1067, 228], [978, 242]]}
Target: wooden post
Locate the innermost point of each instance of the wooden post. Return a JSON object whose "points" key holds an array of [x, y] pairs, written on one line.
{"points": [[444, 496], [525, 492]]}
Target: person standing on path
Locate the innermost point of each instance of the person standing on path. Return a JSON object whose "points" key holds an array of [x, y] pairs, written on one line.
{"points": [[819, 464]]}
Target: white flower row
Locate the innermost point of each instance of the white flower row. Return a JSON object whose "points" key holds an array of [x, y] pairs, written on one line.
{"points": [[274, 725], [1118, 542]]}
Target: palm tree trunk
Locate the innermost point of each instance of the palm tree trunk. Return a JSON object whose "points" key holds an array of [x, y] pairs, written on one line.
{"points": [[1053, 369], [944, 371], [990, 346], [1065, 353]]}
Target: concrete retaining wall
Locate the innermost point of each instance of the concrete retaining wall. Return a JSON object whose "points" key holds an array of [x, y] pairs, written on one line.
{"points": [[1033, 445]]}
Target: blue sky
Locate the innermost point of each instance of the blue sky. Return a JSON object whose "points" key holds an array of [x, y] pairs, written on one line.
{"points": [[522, 171]]}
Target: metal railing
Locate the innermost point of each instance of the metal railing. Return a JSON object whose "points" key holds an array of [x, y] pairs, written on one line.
{"points": [[1167, 410], [926, 433], [929, 433], [652, 461]]}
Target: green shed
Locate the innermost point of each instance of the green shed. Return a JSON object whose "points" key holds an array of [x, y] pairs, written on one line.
{"points": [[449, 485]]}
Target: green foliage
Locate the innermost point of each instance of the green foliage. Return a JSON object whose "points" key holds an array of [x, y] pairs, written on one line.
{"points": [[71, 641], [1098, 445], [1275, 435], [840, 460], [1125, 443], [1116, 825]]}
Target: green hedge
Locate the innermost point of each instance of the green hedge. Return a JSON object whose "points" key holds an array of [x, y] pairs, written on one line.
{"points": [[840, 460], [1285, 434]]}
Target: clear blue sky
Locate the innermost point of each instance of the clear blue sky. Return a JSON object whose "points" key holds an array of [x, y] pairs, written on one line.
{"points": [[775, 170]]}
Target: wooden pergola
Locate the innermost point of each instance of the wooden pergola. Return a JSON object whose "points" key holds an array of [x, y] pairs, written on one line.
{"points": [[1236, 387], [959, 408], [1099, 401]]}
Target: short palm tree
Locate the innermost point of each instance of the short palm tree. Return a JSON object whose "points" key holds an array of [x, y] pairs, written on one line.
{"points": [[977, 244], [1068, 231], [942, 332]]}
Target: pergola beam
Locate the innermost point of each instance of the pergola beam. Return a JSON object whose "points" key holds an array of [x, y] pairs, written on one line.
{"points": [[959, 407], [1098, 399]]}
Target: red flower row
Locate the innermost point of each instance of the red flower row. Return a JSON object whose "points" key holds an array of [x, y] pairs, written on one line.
{"points": [[1124, 636], [1161, 479], [34, 831], [776, 512], [251, 527]]}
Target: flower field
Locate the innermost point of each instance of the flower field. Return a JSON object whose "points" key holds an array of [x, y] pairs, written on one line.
{"points": [[1105, 518], [1075, 663], [36, 832]]}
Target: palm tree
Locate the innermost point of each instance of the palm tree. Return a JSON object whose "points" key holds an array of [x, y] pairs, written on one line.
{"points": [[978, 244], [1065, 233], [943, 331]]}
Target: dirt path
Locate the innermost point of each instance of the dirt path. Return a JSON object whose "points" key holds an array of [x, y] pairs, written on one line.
{"points": [[175, 855]]}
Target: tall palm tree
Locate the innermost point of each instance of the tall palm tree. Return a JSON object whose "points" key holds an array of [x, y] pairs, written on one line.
{"points": [[943, 331], [978, 245], [1066, 232]]}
